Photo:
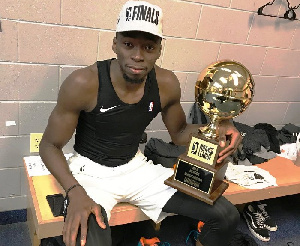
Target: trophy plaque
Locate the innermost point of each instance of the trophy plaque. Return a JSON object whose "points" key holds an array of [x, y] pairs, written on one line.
{"points": [[223, 91]]}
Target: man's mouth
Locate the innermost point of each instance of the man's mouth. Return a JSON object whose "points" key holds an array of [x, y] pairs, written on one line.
{"points": [[136, 70]]}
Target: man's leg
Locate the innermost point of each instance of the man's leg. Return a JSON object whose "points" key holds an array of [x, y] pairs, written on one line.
{"points": [[220, 220], [96, 236]]}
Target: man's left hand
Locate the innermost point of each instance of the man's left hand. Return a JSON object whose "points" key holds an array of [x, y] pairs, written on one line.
{"points": [[227, 131]]}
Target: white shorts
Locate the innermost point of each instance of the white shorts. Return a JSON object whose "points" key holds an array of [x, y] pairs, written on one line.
{"points": [[138, 182]]}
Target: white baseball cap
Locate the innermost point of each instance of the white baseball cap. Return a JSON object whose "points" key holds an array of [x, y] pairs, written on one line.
{"points": [[140, 16]]}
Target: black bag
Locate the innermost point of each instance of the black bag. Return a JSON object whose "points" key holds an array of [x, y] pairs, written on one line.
{"points": [[56, 203], [163, 153], [167, 154]]}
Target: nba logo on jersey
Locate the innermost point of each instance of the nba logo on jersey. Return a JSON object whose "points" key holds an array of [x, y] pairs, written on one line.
{"points": [[150, 107]]}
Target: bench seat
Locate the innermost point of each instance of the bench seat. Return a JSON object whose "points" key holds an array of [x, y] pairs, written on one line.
{"points": [[287, 176], [42, 224]]}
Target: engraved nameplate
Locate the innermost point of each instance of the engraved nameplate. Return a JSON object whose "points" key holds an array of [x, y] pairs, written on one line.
{"points": [[194, 176]]}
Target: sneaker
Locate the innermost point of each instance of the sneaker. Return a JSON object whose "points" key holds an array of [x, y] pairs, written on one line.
{"points": [[269, 222], [256, 223], [194, 234], [151, 242]]}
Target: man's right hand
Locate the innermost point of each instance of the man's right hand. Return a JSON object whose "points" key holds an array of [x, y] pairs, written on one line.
{"points": [[79, 209]]}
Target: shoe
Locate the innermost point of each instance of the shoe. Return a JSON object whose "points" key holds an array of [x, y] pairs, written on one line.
{"points": [[194, 234], [256, 223], [151, 242], [269, 222]]}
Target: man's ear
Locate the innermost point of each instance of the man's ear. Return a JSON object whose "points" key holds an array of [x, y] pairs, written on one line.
{"points": [[160, 48], [159, 52], [114, 45]]}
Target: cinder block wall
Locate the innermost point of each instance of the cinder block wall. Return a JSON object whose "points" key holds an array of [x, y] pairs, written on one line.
{"points": [[43, 41]]}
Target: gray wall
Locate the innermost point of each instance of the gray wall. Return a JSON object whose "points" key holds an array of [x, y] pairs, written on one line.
{"points": [[43, 41]]}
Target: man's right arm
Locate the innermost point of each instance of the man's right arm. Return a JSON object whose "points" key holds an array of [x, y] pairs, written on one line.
{"points": [[61, 126], [78, 92]]}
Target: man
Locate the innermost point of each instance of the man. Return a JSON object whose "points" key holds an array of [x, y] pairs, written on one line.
{"points": [[109, 104]]}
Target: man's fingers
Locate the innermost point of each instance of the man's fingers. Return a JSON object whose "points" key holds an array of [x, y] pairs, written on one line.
{"points": [[73, 233], [227, 129], [222, 136], [231, 148], [66, 231], [83, 233], [70, 231], [222, 142], [99, 218]]}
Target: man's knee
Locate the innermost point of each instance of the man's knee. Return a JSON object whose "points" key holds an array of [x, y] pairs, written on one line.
{"points": [[229, 220], [96, 236], [226, 216], [234, 216], [221, 226]]}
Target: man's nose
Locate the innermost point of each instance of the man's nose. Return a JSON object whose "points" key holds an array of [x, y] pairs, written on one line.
{"points": [[138, 54]]}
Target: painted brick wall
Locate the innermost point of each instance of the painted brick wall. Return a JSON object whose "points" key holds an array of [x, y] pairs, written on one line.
{"points": [[43, 41]]}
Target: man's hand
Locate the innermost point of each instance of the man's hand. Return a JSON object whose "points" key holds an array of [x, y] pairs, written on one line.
{"points": [[227, 131], [79, 209]]}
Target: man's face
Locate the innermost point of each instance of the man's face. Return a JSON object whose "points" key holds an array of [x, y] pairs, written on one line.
{"points": [[137, 53]]}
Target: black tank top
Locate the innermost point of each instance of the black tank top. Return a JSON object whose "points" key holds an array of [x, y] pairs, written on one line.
{"points": [[111, 132]]}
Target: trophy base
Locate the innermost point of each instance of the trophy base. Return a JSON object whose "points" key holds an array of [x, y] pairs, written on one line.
{"points": [[217, 190]]}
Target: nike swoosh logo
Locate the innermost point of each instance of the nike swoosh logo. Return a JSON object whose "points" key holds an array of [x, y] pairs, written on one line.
{"points": [[102, 110]]}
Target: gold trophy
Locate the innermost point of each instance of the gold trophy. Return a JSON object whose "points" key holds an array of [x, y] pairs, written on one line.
{"points": [[223, 91]]}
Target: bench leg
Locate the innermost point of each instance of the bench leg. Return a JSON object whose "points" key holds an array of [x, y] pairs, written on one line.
{"points": [[35, 241]]}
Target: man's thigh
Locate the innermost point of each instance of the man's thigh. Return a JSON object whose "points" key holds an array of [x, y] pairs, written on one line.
{"points": [[186, 205]]}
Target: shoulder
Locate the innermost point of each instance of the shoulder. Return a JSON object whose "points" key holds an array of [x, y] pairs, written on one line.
{"points": [[83, 77], [80, 87], [165, 76], [169, 86]]}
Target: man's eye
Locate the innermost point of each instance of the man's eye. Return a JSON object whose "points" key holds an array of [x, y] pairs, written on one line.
{"points": [[128, 44], [149, 47]]}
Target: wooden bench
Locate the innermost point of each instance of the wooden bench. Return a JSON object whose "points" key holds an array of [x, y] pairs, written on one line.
{"points": [[287, 176], [42, 224]]}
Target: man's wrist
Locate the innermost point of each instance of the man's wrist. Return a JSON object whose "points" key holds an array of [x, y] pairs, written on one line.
{"points": [[71, 188]]}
